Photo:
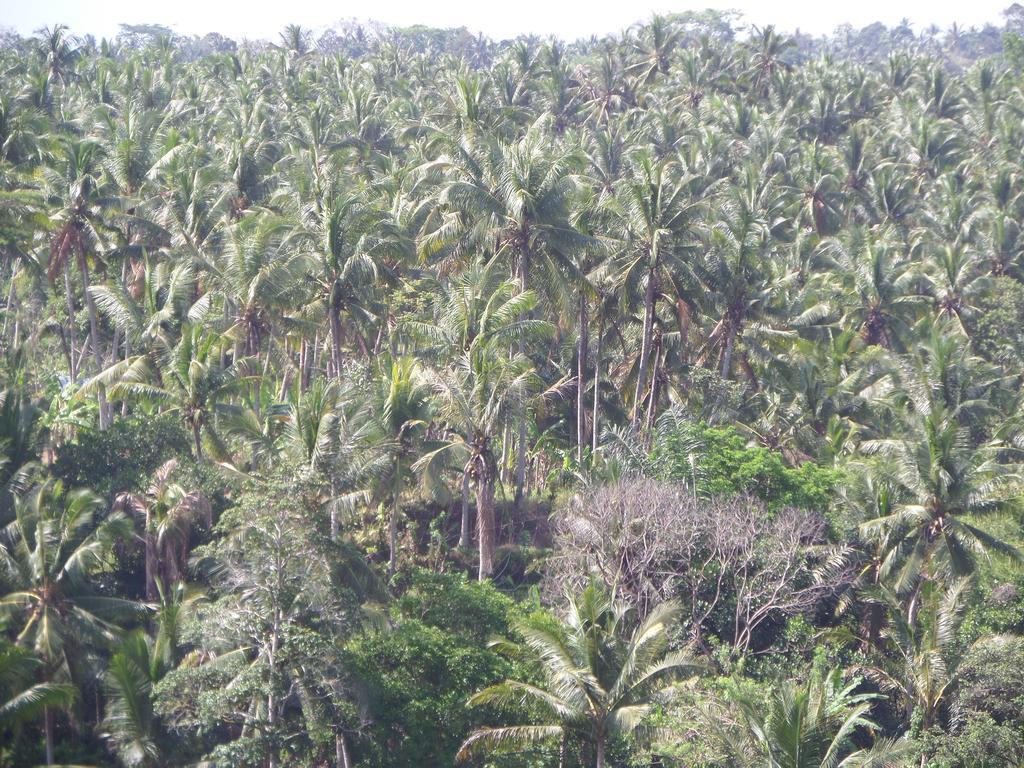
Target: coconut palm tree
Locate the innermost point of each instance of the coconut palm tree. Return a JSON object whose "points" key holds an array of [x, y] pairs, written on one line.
{"points": [[479, 394], [403, 410], [808, 725], [948, 486], [511, 200], [167, 513], [76, 185], [48, 553], [189, 380], [917, 659], [655, 214], [22, 699], [603, 672]]}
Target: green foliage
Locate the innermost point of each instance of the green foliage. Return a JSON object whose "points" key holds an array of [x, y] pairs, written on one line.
{"points": [[123, 457], [979, 743], [998, 330], [418, 675], [723, 463]]}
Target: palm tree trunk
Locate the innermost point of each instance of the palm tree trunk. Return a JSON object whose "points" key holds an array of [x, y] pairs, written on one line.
{"points": [[72, 340], [730, 345], [597, 386], [48, 728], [581, 375], [524, 266], [152, 559], [197, 441], [645, 346], [599, 747], [10, 301], [652, 399], [485, 518], [94, 337], [465, 531], [393, 531], [341, 751], [335, 318]]}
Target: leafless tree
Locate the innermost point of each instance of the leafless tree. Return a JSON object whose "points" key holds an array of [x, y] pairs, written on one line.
{"points": [[734, 564]]}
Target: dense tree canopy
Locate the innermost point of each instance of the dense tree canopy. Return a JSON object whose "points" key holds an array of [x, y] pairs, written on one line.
{"points": [[398, 397]]}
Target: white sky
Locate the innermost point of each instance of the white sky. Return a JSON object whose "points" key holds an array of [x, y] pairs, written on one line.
{"points": [[565, 18]]}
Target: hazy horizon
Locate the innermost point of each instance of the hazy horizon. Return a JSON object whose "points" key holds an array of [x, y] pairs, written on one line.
{"points": [[567, 20]]}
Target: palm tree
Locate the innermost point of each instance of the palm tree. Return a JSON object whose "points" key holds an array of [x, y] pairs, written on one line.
{"points": [[603, 671], [130, 722], [740, 280], [80, 232], [512, 201], [402, 408], [655, 213], [478, 307], [879, 293], [258, 275], [189, 380], [20, 433], [479, 394], [809, 725], [48, 553], [167, 513], [21, 698], [342, 239], [917, 660], [948, 485], [657, 41]]}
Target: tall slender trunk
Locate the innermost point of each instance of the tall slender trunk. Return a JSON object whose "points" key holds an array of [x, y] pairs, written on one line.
{"points": [[341, 757], [48, 728], [97, 354], [645, 346], [152, 557], [275, 635], [305, 361], [466, 528], [197, 441], [8, 311], [599, 747], [524, 266], [393, 524], [485, 517], [730, 346], [597, 385], [581, 379], [653, 397], [72, 336], [334, 308]]}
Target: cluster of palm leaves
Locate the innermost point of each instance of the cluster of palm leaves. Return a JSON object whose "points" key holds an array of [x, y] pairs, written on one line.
{"points": [[419, 275]]}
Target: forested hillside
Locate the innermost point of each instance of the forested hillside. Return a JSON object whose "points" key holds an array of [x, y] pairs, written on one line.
{"points": [[399, 398]]}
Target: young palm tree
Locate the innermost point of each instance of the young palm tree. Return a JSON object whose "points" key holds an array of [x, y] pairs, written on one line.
{"points": [[603, 673], [809, 725], [403, 411], [22, 699], [48, 553], [917, 661], [130, 723], [189, 380]]}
